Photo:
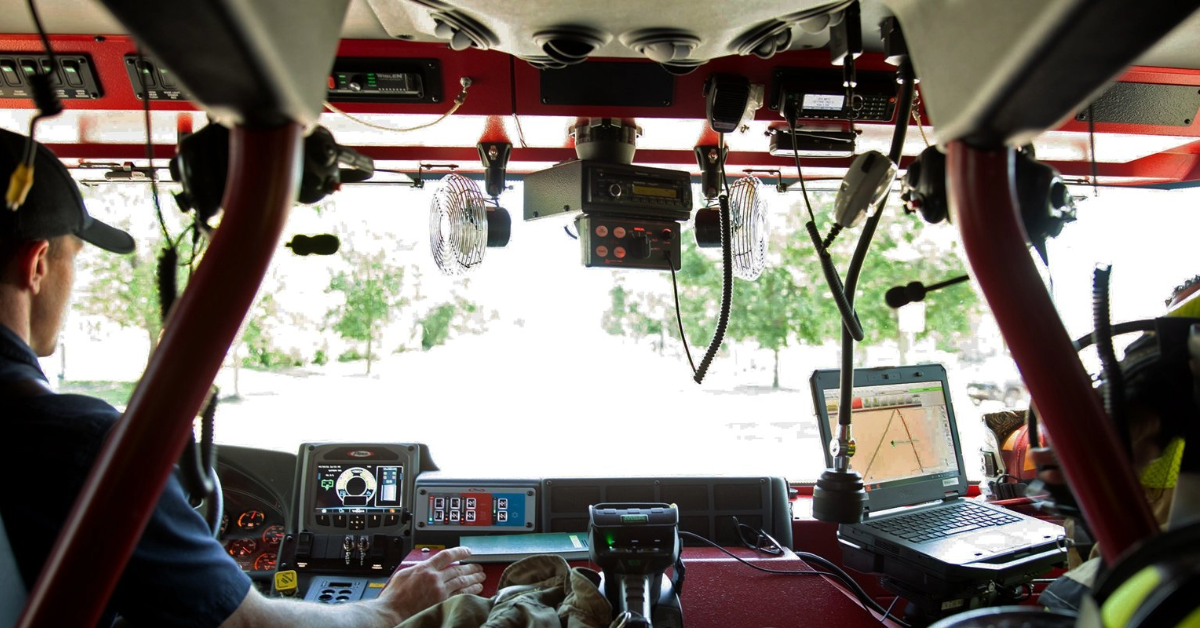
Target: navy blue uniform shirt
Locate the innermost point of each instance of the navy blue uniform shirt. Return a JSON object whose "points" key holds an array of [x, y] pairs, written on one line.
{"points": [[178, 574]]}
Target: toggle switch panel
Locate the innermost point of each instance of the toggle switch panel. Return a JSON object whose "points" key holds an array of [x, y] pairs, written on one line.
{"points": [[147, 76], [72, 77]]}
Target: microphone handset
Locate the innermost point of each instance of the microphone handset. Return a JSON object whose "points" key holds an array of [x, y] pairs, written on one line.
{"points": [[899, 296], [320, 244]]}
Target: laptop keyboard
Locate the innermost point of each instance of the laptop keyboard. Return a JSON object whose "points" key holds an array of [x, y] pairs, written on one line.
{"points": [[939, 523]]}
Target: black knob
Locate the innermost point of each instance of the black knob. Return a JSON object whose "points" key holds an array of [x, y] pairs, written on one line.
{"points": [[615, 189], [639, 247]]}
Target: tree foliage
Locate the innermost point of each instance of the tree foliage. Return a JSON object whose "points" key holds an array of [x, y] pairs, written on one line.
{"points": [[790, 302], [372, 291], [458, 316], [124, 290]]}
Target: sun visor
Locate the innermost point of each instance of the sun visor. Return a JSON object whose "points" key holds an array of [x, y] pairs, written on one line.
{"points": [[995, 73], [259, 63]]}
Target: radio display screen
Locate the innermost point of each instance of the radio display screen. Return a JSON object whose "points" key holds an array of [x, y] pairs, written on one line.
{"points": [[646, 190], [358, 488], [824, 102]]}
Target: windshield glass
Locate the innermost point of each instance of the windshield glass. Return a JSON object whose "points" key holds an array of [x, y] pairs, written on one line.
{"points": [[535, 366]]}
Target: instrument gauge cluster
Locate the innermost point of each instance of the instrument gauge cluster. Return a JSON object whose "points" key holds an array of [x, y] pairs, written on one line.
{"points": [[252, 527]]}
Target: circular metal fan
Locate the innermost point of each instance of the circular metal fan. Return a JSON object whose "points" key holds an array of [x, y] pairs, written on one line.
{"points": [[749, 230], [458, 226]]}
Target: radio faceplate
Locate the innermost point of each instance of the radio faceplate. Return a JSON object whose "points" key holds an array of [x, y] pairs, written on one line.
{"points": [[591, 186]]}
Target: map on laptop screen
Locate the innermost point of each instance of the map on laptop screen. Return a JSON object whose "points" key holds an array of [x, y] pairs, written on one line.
{"points": [[901, 431]]}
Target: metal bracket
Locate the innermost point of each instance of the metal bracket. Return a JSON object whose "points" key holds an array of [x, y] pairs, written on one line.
{"points": [[779, 186]]}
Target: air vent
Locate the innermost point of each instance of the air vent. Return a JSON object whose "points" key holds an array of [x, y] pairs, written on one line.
{"points": [[664, 45], [568, 45], [764, 40], [463, 31], [544, 63], [686, 66]]}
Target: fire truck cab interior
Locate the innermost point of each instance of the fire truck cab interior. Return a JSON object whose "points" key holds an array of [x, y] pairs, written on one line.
{"points": [[608, 146]]}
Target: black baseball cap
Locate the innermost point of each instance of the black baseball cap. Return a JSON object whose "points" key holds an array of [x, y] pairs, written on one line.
{"points": [[53, 207]]}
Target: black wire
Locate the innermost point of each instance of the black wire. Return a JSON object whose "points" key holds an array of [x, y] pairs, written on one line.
{"points": [[1092, 149], [833, 570], [726, 276], [800, 173], [43, 96], [678, 313], [37, 22], [140, 71], [903, 113], [1110, 367], [783, 572]]}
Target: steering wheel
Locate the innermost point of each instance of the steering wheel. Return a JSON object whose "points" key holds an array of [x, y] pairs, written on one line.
{"points": [[211, 506]]}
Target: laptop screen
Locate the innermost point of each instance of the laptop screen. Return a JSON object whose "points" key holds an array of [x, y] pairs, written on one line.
{"points": [[904, 433]]}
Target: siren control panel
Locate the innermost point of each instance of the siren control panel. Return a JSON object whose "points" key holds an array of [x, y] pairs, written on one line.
{"points": [[617, 241]]}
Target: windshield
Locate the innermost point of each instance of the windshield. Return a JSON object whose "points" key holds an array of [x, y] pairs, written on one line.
{"points": [[535, 366]]}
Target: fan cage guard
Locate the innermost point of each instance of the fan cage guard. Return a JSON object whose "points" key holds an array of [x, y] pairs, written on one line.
{"points": [[749, 228], [458, 228]]}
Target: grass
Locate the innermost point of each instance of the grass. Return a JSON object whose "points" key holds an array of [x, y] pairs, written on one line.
{"points": [[115, 393]]}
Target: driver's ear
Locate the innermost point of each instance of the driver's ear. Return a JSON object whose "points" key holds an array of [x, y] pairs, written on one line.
{"points": [[33, 264]]}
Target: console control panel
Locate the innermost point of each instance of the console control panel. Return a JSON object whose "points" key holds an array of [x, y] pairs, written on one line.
{"points": [[618, 241], [476, 509]]}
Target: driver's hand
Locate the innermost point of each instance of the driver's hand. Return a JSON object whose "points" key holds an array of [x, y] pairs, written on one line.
{"points": [[413, 589]]}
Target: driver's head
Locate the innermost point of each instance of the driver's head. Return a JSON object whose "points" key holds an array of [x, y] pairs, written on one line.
{"points": [[39, 242]]}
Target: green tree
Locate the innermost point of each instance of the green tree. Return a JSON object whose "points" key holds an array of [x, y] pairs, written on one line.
{"points": [[371, 288], [459, 317], [124, 290]]}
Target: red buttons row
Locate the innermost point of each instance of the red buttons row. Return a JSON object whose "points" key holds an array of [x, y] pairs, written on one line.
{"points": [[602, 251], [602, 231]]}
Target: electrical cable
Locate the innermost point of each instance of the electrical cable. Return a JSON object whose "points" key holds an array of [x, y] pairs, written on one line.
{"points": [[904, 105], [889, 609], [726, 275], [153, 174], [776, 548], [791, 121], [1092, 151], [832, 570], [916, 112], [1110, 367], [678, 313], [1119, 329], [458, 102], [849, 316], [520, 131], [48, 105]]}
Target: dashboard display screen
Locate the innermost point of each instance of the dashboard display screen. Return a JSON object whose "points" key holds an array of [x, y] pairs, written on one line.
{"points": [[354, 487]]}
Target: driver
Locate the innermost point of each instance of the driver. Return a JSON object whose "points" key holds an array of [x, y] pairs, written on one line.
{"points": [[178, 575]]}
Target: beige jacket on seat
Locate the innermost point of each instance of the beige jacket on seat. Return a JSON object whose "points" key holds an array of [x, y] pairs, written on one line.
{"points": [[535, 592]]}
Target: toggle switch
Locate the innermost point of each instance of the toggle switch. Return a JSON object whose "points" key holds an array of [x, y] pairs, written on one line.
{"points": [[70, 69]]}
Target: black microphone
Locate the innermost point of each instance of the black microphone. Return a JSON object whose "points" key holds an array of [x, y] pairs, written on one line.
{"points": [[900, 296], [320, 244]]}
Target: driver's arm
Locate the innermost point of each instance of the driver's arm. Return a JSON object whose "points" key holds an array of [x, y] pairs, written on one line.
{"points": [[408, 592]]}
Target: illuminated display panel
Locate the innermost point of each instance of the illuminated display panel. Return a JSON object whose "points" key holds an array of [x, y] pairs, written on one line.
{"points": [[646, 190], [824, 102], [354, 487]]}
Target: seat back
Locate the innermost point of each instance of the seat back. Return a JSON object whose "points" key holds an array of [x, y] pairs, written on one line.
{"points": [[12, 587]]}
